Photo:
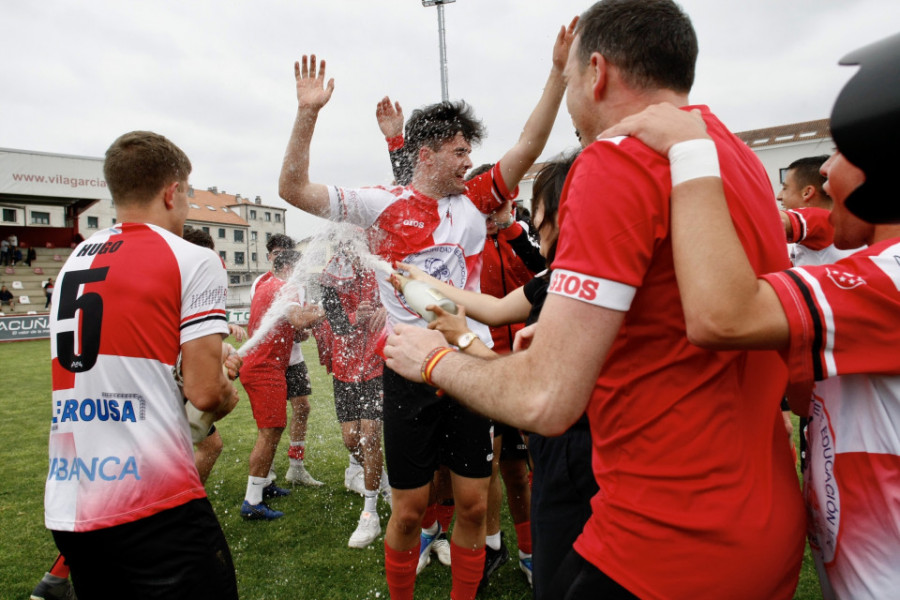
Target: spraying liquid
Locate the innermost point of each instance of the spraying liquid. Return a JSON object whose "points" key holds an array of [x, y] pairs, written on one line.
{"points": [[419, 294]]}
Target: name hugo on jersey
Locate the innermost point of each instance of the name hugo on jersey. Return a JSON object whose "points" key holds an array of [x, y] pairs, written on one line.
{"points": [[100, 409], [575, 286]]}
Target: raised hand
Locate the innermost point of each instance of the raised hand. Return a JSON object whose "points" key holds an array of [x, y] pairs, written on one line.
{"points": [[312, 91], [390, 117], [563, 44]]}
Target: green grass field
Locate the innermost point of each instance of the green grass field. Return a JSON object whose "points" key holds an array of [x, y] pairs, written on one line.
{"points": [[302, 556]]}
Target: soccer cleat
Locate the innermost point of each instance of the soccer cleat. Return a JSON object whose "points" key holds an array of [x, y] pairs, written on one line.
{"points": [[493, 560], [526, 566], [354, 479], [426, 541], [368, 529], [52, 587], [300, 476], [273, 491], [441, 548], [259, 512]]}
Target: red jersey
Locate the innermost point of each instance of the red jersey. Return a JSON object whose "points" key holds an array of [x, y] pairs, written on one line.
{"points": [[812, 237], [698, 492], [274, 352], [502, 272], [842, 335]]}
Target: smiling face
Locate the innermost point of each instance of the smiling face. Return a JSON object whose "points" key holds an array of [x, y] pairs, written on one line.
{"points": [[791, 194], [843, 177], [447, 167]]}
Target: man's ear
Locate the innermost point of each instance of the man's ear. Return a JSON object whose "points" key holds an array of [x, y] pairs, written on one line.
{"points": [[425, 154], [169, 195], [599, 74], [808, 192]]}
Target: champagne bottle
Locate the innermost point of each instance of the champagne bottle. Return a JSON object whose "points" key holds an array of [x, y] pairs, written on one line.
{"points": [[419, 294]]}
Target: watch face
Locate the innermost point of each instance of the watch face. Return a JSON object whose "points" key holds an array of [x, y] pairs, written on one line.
{"points": [[465, 340]]}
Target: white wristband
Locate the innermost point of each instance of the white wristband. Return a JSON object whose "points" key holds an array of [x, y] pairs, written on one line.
{"points": [[693, 159]]}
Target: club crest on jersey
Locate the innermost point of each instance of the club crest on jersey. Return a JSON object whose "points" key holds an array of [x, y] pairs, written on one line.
{"points": [[843, 279]]}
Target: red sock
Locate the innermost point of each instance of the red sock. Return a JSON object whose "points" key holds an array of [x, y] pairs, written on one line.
{"points": [[60, 568], [296, 452], [523, 536], [400, 571], [430, 516], [466, 568], [445, 515]]}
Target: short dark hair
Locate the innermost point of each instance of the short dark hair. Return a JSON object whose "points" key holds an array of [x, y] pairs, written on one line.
{"points": [[287, 258], [435, 124], [280, 240], [479, 170], [199, 237], [806, 171], [652, 42], [141, 163], [547, 190]]}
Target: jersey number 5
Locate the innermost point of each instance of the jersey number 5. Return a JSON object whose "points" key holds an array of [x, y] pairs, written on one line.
{"points": [[91, 307]]}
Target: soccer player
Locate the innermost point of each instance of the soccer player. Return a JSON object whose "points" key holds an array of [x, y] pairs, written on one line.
{"points": [[123, 498], [613, 329], [436, 222], [263, 377], [834, 322]]}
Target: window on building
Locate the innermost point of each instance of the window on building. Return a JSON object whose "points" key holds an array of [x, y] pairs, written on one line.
{"points": [[268, 216], [252, 236], [252, 215], [93, 222], [238, 258], [205, 229], [221, 233], [43, 218], [278, 217], [114, 220], [239, 235], [253, 258], [268, 237], [235, 279], [9, 215], [223, 254]]}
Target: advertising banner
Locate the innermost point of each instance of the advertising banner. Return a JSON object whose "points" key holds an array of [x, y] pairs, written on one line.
{"points": [[14, 328]]}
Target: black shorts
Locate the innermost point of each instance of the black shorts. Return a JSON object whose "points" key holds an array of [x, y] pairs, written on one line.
{"points": [[177, 553], [423, 431], [297, 377], [358, 400], [577, 579], [513, 445]]}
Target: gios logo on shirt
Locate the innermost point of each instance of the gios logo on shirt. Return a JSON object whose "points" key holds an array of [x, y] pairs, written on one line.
{"points": [[574, 285]]}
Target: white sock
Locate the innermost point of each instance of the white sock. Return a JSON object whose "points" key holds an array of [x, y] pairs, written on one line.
{"points": [[353, 461], [371, 501], [433, 530], [271, 476], [493, 541], [255, 487], [295, 462]]}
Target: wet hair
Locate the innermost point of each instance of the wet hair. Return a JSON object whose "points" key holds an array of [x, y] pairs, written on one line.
{"points": [[547, 190], [199, 237], [651, 42], [435, 124], [479, 170], [141, 163], [806, 172], [280, 240], [285, 259]]}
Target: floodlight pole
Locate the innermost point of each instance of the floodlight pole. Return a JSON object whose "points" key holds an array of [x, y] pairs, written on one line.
{"points": [[445, 90]]}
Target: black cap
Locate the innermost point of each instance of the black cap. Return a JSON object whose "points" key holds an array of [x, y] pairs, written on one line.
{"points": [[865, 126]]}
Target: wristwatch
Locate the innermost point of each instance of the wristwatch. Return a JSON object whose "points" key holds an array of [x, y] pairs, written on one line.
{"points": [[465, 340]]}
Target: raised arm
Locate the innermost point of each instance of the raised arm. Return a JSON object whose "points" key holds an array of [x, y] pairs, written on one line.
{"points": [[725, 305], [313, 93], [390, 120], [528, 148]]}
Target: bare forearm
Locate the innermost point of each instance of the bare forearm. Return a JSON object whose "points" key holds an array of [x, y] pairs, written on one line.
{"points": [[294, 185]]}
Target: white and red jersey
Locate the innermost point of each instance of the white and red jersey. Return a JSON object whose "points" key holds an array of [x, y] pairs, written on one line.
{"points": [[125, 302], [812, 237], [842, 321], [444, 237], [690, 451], [354, 356], [296, 350], [268, 309]]}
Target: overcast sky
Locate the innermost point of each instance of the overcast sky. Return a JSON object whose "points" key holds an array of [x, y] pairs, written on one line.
{"points": [[217, 77]]}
